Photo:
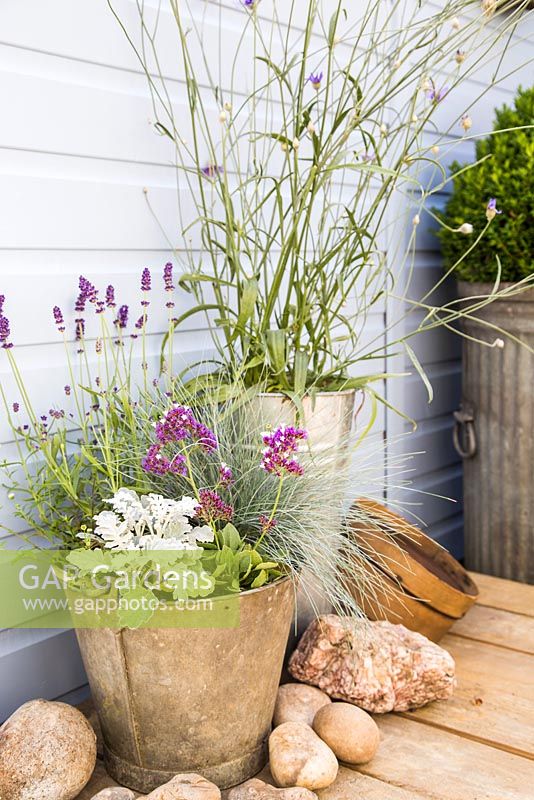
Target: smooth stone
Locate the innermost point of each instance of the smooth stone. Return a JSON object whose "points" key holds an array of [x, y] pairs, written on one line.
{"points": [[297, 702], [259, 790], [297, 757], [114, 793], [186, 786], [47, 752], [349, 731], [375, 665]]}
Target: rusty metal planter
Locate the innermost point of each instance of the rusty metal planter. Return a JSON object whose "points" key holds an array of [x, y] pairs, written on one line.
{"points": [[190, 700], [495, 435]]}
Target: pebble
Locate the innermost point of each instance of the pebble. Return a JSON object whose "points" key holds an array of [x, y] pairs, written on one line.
{"points": [[259, 790], [47, 752], [299, 758], [186, 786], [297, 702], [350, 732]]}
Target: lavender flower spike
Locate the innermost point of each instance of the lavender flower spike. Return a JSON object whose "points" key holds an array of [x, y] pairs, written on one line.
{"points": [[167, 281], [315, 79], [2, 301], [146, 285], [58, 318], [110, 296], [5, 333], [122, 317], [492, 210]]}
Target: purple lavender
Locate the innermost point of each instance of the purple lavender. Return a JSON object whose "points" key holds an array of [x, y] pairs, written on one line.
{"points": [[58, 319], [250, 4], [110, 296], [16, 407], [212, 507], [80, 328], [158, 464], [226, 476], [280, 445], [88, 294], [167, 277], [146, 285], [122, 317], [179, 424], [491, 209], [2, 301], [5, 333], [315, 79], [67, 390]]}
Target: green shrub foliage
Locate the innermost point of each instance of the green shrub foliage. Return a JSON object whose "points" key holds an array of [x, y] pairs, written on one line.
{"points": [[508, 175]]}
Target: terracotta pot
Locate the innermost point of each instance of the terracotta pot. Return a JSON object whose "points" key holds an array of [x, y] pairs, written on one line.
{"points": [[417, 582], [190, 700]]}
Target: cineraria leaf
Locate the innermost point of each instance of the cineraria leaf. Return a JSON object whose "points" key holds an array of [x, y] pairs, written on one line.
{"points": [[136, 611], [88, 560]]}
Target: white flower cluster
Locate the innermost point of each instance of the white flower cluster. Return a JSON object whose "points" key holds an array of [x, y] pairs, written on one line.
{"points": [[149, 522]]}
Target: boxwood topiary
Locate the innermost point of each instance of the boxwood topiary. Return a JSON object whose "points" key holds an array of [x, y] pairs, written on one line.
{"points": [[508, 175]]}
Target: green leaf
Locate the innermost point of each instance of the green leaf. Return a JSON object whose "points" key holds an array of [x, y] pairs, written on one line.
{"points": [[419, 367], [247, 302], [230, 537], [260, 579], [87, 560], [300, 378], [276, 347], [134, 617]]}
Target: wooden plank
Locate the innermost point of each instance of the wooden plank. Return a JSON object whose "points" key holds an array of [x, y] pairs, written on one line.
{"points": [[493, 626], [494, 700], [440, 765], [352, 785], [504, 594]]}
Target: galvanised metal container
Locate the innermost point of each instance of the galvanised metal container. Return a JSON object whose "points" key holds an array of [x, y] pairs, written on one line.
{"points": [[190, 700], [494, 434]]}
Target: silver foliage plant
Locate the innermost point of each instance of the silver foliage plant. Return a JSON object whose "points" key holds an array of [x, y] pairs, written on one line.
{"points": [[295, 134]]}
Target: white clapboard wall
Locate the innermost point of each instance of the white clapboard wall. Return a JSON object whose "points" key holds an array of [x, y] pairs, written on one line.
{"points": [[78, 159]]}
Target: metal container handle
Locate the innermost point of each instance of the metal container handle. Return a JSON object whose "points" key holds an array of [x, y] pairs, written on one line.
{"points": [[464, 434]]}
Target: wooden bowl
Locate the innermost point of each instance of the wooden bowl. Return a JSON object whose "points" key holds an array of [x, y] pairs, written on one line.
{"points": [[417, 582]]}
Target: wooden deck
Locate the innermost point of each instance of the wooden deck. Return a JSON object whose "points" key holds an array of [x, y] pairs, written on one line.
{"points": [[477, 746]]}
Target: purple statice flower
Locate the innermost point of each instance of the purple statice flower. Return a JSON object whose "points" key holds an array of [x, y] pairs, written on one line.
{"points": [[226, 476], [212, 171], [16, 407], [159, 464], [437, 95], [179, 424], [58, 318], [67, 390], [5, 333], [146, 285], [110, 296], [266, 523], [2, 301], [315, 79], [122, 317], [212, 507], [280, 445], [492, 210]]}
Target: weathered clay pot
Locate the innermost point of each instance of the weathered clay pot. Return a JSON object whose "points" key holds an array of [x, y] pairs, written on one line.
{"points": [[190, 700], [415, 581]]}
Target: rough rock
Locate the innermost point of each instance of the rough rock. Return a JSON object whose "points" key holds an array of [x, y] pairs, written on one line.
{"points": [[297, 702], [297, 757], [349, 731], [47, 752], [375, 665], [258, 790], [114, 793], [186, 786]]}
